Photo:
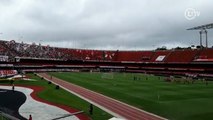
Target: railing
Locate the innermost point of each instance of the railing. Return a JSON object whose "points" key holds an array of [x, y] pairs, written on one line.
{"points": [[5, 116]]}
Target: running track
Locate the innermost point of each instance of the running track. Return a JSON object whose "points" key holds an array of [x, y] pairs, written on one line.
{"points": [[110, 105]]}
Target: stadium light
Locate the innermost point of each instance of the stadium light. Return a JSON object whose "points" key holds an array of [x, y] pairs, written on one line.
{"points": [[203, 29]]}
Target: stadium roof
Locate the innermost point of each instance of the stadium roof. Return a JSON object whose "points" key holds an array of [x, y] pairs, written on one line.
{"points": [[207, 26]]}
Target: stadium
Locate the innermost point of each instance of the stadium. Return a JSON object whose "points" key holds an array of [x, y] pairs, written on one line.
{"points": [[47, 82]]}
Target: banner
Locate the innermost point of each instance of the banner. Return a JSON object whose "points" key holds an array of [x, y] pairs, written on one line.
{"points": [[7, 73]]}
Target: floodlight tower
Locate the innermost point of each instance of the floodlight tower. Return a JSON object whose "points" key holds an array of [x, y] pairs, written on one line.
{"points": [[203, 29]]}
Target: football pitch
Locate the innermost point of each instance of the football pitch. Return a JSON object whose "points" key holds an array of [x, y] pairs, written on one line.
{"points": [[60, 97], [176, 101]]}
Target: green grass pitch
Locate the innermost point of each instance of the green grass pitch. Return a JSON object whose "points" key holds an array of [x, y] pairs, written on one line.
{"points": [[175, 101], [61, 97]]}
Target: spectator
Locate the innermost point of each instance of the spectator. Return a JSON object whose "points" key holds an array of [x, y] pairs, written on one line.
{"points": [[13, 87], [30, 117]]}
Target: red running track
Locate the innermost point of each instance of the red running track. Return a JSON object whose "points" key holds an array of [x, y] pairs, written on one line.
{"points": [[110, 105]]}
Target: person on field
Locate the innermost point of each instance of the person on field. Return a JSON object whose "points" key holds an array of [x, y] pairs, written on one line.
{"points": [[91, 109], [134, 78], [13, 87], [207, 83], [30, 117]]}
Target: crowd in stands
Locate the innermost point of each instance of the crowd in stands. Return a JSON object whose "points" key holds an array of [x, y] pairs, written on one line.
{"points": [[31, 50], [14, 49], [22, 50]]}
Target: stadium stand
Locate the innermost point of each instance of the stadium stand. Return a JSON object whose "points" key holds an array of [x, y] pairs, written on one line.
{"points": [[204, 55], [14, 49], [135, 56], [160, 55], [18, 56], [177, 56]]}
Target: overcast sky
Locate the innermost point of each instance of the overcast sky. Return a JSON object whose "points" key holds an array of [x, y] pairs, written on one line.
{"points": [[104, 24]]}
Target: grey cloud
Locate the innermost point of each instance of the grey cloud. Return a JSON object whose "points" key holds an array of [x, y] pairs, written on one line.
{"points": [[99, 24]]}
